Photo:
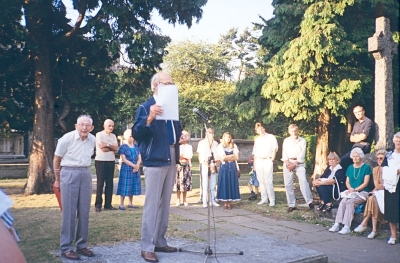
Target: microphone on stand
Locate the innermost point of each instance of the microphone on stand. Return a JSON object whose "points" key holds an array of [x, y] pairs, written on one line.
{"points": [[201, 115]]}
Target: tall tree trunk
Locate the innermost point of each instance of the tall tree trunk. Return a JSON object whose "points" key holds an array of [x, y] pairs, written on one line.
{"points": [[322, 147], [40, 171]]}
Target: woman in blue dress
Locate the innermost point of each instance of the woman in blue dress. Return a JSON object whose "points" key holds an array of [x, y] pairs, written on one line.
{"points": [[228, 178], [129, 183]]}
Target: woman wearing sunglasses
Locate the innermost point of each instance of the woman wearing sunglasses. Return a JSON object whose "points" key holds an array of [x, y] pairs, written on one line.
{"points": [[372, 210]]}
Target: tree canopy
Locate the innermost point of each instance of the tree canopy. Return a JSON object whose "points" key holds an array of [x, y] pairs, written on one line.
{"points": [[68, 65]]}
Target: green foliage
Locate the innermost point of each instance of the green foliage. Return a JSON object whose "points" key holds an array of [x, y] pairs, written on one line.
{"points": [[196, 63], [312, 71], [200, 71], [82, 56], [241, 49], [15, 78]]}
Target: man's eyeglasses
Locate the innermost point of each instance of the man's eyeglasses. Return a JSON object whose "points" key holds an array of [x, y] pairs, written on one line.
{"points": [[85, 125], [380, 158], [166, 83]]}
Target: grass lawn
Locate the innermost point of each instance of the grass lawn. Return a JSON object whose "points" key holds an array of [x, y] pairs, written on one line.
{"points": [[38, 217]]}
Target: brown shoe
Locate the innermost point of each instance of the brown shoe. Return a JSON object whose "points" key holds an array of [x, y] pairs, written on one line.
{"points": [[290, 209], [71, 255], [85, 251], [149, 256], [166, 249]]}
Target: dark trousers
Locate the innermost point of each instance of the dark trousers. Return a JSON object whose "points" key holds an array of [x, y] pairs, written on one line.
{"points": [[325, 193], [105, 174]]}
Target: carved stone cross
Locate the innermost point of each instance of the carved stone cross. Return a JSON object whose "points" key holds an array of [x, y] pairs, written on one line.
{"points": [[383, 49]]}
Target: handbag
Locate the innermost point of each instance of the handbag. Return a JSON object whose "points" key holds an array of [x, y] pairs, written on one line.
{"points": [[347, 195]]}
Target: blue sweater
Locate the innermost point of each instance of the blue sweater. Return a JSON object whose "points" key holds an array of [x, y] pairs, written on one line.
{"points": [[152, 139]]}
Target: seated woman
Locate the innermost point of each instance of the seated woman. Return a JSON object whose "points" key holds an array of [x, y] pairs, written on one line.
{"points": [[372, 208], [357, 180], [326, 185]]}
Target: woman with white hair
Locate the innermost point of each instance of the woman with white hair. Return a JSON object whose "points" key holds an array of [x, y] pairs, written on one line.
{"points": [[129, 177], [358, 176], [390, 176]]}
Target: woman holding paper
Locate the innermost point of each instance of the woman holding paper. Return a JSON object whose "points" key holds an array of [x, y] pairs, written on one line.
{"points": [[357, 181], [390, 175], [372, 209]]}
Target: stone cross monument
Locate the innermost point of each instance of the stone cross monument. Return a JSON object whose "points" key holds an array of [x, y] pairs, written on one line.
{"points": [[383, 48]]}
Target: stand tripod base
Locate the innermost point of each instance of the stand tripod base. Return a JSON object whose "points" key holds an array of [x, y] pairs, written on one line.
{"points": [[208, 251]]}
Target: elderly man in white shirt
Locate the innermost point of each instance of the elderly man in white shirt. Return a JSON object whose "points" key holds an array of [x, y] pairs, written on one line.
{"points": [[206, 148], [264, 152], [293, 154], [71, 164]]}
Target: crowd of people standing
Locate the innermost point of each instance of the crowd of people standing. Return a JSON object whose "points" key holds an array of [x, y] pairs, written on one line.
{"points": [[162, 147]]}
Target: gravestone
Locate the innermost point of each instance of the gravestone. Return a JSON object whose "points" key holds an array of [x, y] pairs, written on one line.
{"points": [[383, 48]]}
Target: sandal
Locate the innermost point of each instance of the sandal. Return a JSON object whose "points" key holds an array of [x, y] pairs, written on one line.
{"points": [[327, 208], [320, 207], [226, 205], [229, 207]]}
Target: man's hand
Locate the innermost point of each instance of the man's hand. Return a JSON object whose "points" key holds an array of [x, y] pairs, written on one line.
{"points": [[154, 111], [291, 166], [57, 183]]}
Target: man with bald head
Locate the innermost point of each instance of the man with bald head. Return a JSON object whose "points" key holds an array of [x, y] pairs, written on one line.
{"points": [[158, 142], [106, 146]]}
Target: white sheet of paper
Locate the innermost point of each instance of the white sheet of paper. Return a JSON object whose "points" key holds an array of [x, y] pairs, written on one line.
{"points": [[167, 98]]}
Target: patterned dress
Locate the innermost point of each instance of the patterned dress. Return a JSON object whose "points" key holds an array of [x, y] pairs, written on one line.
{"points": [[129, 183], [228, 181], [183, 179]]}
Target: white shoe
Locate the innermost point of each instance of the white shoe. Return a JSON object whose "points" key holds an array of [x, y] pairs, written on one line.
{"points": [[345, 230], [204, 205], [263, 201], [215, 204], [177, 203], [360, 229], [392, 241], [185, 204], [334, 228], [271, 204], [371, 235]]}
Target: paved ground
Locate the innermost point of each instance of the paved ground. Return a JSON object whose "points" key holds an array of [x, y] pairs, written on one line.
{"points": [[261, 239]]}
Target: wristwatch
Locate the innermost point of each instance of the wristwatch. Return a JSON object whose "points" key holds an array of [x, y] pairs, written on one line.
{"points": [[108, 145]]}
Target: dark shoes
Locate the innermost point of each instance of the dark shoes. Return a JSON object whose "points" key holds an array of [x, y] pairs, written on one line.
{"points": [[98, 209], [253, 197], [166, 249], [291, 209], [110, 208], [85, 251], [149, 256], [311, 206], [71, 255]]}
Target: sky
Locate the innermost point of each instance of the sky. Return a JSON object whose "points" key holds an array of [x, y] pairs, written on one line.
{"points": [[218, 17]]}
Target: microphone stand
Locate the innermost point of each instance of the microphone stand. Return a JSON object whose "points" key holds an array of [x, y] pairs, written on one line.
{"points": [[208, 251]]}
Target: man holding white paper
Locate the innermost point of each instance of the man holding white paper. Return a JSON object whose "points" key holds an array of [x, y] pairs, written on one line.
{"points": [[157, 131]]}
